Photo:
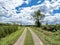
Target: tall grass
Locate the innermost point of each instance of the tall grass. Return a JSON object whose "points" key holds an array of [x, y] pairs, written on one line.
{"points": [[6, 30], [12, 38]]}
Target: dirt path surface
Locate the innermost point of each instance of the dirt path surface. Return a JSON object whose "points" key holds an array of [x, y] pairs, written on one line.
{"points": [[37, 41], [21, 39]]}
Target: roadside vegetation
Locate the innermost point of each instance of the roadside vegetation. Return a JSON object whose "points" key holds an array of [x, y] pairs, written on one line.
{"points": [[28, 39], [6, 29], [12, 38], [48, 37], [48, 33]]}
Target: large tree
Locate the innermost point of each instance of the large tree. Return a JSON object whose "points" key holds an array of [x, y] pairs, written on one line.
{"points": [[38, 18]]}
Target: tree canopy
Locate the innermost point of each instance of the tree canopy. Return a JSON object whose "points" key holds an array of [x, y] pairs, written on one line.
{"points": [[38, 17]]}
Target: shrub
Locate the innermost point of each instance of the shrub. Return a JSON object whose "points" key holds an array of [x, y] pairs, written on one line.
{"points": [[50, 28]]}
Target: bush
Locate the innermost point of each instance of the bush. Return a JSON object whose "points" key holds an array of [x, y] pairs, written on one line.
{"points": [[58, 26], [50, 27]]}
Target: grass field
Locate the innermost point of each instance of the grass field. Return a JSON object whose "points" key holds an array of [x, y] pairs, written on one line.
{"points": [[10, 39], [48, 38], [28, 39]]}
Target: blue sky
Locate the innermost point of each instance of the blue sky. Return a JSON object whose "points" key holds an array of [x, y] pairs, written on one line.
{"points": [[21, 11]]}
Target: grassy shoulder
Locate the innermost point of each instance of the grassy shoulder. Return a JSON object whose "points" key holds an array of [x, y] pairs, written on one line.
{"points": [[10, 39], [28, 39], [48, 38]]}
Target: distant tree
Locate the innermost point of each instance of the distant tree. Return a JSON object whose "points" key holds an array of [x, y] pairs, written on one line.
{"points": [[38, 18]]}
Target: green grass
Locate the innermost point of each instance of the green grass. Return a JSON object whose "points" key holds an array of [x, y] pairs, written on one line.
{"points": [[6, 30], [48, 38], [28, 39], [10, 39]]}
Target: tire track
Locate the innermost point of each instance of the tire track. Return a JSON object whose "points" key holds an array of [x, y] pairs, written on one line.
{"points": [[21, 39], [37, 41]]}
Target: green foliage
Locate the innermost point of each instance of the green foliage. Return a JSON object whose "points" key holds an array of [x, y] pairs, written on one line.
{"points": [[38, 18], [49, 27], [2, 24], [28, 39], [6, 30], [58, 26], [48, 37], [12, 38]]}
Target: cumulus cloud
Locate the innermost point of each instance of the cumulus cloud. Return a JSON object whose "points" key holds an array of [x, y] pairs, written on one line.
{"points": [[8, 12], [52, 19]]}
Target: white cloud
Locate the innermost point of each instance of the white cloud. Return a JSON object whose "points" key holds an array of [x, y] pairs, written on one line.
{"points": [[25, 15], [53, 19], [27, 1], [38, 1], [12, 3]]}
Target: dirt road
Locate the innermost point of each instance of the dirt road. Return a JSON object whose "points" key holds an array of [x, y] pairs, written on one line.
{"points": [[21, 39], [37, 41]]}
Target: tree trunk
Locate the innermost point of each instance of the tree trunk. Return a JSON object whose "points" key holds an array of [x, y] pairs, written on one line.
{"points": [[38, 24]]}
